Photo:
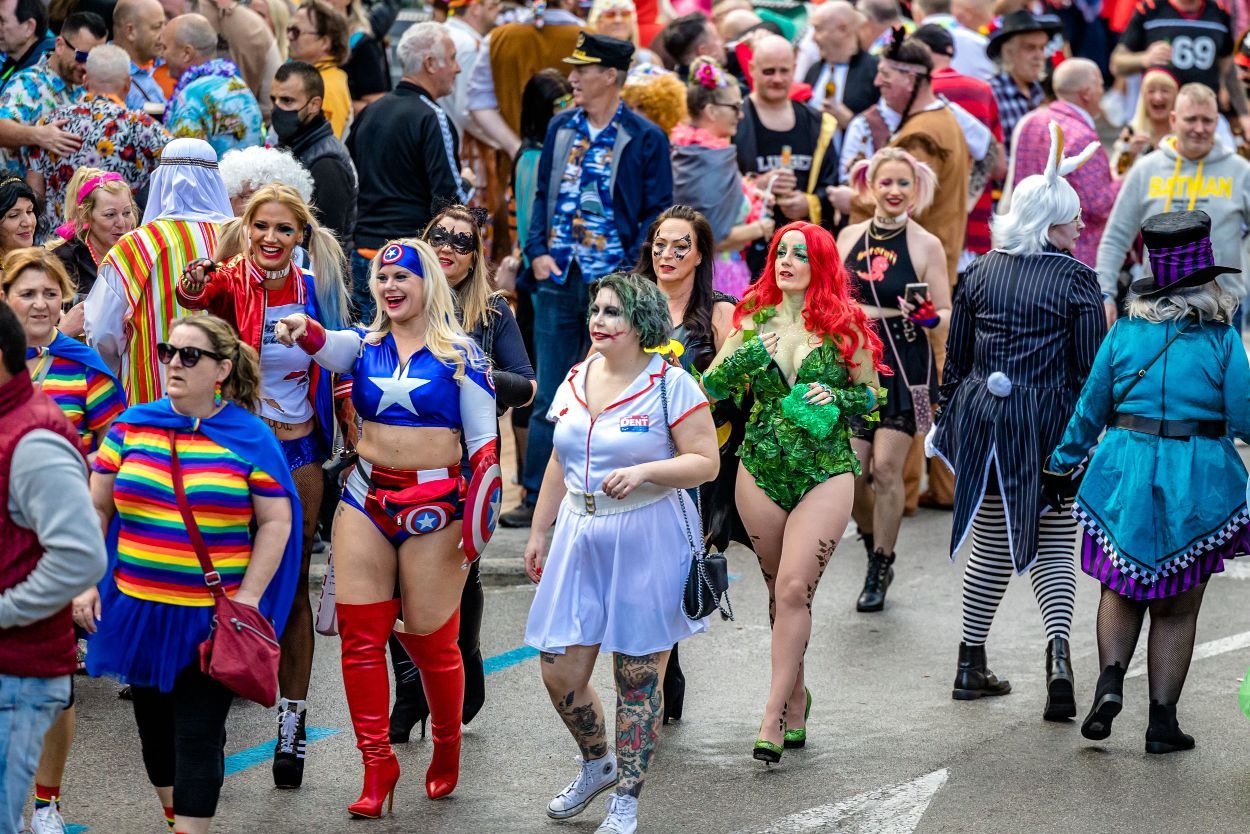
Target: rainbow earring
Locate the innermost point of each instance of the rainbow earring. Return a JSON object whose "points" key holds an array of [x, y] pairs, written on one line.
{"points": [[217, 394]]}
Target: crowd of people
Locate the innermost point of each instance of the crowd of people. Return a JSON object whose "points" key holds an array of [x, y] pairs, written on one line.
{"points": [[731, 271]]}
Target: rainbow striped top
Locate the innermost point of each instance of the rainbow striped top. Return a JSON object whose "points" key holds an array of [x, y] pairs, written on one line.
{"points": [[155, 560], [90, 399]]}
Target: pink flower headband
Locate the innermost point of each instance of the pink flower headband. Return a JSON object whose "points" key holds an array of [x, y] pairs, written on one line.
{"points": [[710, 76], [73, 227]]}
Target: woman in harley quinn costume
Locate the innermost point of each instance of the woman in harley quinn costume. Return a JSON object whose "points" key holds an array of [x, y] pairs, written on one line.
{"points": [[420, 383]]}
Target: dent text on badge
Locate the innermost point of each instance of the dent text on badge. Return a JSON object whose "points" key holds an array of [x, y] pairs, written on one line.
{"points": [[636, 422]]}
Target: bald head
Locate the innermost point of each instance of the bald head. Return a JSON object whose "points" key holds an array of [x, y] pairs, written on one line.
{"points": [[137, 26], [835, 27], [772, 70], [736, 22], [1079, 81], [188, 40]]}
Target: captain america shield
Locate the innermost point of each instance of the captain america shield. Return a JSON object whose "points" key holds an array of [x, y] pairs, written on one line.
{"points": [[481, 509]]}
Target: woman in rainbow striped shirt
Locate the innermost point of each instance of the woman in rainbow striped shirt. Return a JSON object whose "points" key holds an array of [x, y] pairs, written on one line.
{"points": [[154, 607], [34, 283]]}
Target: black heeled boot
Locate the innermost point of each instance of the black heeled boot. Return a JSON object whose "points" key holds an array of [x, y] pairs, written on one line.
{"points": [[471, 605], [973, 679], [869, 541], [1108, 701], [674, 688], [410, 705], [877, 582], [1164, 734], [1060, 687]]}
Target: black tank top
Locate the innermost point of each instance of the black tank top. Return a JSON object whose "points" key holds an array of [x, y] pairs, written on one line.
{"points": [[883, 265]]}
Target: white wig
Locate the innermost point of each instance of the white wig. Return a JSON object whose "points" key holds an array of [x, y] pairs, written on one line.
{"points": [[1041, 201], [256, 166]]}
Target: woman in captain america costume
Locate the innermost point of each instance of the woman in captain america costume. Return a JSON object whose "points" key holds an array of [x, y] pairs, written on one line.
{"points": [[420, 385]]}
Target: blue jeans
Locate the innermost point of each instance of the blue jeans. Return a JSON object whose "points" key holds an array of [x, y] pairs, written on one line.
{"points": [[561, 340], [28, 707], [362, 298]]}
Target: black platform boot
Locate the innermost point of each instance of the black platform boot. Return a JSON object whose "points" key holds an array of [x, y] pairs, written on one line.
{"points": [[1108, 701], [1060, 687], [973, 680], [877, 582], [1164, 734], [288, 754]]}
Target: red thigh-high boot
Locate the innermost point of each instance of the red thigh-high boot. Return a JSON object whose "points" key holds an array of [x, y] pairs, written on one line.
{"points": [[364, 630], [437, 655]]}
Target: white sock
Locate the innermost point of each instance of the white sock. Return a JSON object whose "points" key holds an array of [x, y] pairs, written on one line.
{"points": [[286, 703]]}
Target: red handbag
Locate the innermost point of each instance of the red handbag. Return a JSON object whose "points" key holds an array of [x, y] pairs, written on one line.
{"points": [[242, 651]]}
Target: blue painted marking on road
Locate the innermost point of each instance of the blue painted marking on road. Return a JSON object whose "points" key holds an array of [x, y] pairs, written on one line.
{"points": [[253, 756], [75, 829], [508, 659]]}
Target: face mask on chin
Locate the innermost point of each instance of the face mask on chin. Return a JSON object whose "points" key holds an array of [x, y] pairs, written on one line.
{"points": [[286, 123]]}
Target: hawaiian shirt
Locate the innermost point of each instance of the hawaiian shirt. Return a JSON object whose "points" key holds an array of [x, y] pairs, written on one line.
{"points": [[29, 95], [583, 227], [114, 138], [216, 107], [144, 88]]}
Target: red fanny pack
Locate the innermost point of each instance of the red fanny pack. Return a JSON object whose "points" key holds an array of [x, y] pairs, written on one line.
{"points": [[417, 508]]}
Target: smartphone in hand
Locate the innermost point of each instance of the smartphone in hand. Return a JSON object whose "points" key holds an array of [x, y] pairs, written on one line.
{"points": [[916, 294]]}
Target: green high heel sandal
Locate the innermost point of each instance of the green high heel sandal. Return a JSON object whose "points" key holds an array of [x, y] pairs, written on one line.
{"points": [[797, 738], [766, 751]]}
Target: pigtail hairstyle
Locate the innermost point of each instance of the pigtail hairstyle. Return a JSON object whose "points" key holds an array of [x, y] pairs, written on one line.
{"points": [[864, 173], [828, 309], [444, 337]]}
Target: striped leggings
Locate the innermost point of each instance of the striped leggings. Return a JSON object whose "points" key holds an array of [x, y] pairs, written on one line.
{"points": [[990, 568]]}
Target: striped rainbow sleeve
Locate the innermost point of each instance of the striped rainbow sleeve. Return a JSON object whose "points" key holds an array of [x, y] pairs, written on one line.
{"points": [[109, 458], [104, 400], [264, 486]]}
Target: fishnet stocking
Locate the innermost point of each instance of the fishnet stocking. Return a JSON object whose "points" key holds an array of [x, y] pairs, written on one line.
{"points": [[1170, 647]]}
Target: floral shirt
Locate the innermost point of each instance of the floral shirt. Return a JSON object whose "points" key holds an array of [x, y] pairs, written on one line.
{"points": [[29, 95], [215, 107], [583, 227], [126, 142]]}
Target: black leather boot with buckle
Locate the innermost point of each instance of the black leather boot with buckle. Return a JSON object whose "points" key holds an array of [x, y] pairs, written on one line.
{"points": [[973, 679], [1060, 687], [880, 575]]}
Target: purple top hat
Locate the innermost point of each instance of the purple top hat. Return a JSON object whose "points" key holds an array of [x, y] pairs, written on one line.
{"points": [[1179, 243]]}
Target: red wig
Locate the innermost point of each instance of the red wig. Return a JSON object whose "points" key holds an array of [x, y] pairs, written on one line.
{"points": [[828, 309]]}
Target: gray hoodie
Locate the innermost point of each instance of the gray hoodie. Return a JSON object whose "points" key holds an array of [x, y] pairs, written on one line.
{"points": [[1163, 181]]}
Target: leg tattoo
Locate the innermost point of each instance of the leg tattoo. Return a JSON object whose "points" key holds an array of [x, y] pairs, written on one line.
{"points": [[586, 726], [639, 710]]}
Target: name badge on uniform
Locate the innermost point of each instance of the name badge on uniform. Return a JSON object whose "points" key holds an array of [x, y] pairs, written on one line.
{"points": [[638, 422]]}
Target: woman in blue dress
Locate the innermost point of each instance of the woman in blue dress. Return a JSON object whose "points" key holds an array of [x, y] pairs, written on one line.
{"points": [[1163, 501]]}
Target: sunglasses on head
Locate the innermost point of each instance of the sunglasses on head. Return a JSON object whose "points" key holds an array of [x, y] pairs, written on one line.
{"points": [[190, 356], [462, 242]]}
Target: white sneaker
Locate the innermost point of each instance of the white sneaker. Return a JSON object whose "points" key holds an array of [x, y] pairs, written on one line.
{"points": [[622, 815], [596, 777], [47, 820]]}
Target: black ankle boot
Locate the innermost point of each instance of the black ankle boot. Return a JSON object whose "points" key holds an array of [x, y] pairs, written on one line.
{"points": [[288, 754], [1164, 734], [877, 582], [1108, 701], [973, 680], [1060, 687], [410, 707]]}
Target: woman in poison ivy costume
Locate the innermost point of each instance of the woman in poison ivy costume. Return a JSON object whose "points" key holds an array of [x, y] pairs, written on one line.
{"points": [[811, 367]]}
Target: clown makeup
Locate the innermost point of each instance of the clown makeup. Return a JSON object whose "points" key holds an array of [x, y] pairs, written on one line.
{"points": [[793, 271], [609, 328], [272, 236], [673, 254]]}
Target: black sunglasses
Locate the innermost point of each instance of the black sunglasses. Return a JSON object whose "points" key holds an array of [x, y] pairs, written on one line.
{"points": [[79, 56], [190, 356], [462, 242]]}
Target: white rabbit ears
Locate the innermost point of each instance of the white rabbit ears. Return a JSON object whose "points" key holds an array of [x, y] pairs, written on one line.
{"points": [[1059, 166]]}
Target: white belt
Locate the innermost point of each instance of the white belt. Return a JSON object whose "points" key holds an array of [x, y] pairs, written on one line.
{"points": [[600, 503]]}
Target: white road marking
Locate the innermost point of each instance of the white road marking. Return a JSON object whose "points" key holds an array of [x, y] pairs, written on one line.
{"points": [[1202, 651], [1237, 569], [893, 810]]}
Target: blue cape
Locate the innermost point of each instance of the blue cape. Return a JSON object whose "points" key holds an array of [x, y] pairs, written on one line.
{"points": [[247, 436], [63, 347]]}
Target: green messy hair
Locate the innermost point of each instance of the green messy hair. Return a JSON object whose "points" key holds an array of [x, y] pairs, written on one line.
{"points": [[644, 305]]}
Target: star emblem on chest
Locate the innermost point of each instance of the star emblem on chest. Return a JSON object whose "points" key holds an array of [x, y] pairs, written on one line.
{"points": [[397, 390]]}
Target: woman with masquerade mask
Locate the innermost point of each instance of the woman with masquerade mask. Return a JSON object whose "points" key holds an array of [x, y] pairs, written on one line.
{"points": [[811, 367], [423, 388], [884, 256], [1024, 331], [455, 236], [253, 291]]}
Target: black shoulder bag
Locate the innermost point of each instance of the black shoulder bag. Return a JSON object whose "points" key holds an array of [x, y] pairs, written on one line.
{"points": [[707, 583]]}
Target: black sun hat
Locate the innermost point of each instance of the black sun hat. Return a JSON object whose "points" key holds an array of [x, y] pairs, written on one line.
{"points": [[1021, 23]]}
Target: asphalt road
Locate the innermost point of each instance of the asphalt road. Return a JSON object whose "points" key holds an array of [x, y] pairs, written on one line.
{"points": [[888, 749]]}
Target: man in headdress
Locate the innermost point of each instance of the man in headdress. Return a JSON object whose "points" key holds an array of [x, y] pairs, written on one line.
{"points": [[132, 303]]}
